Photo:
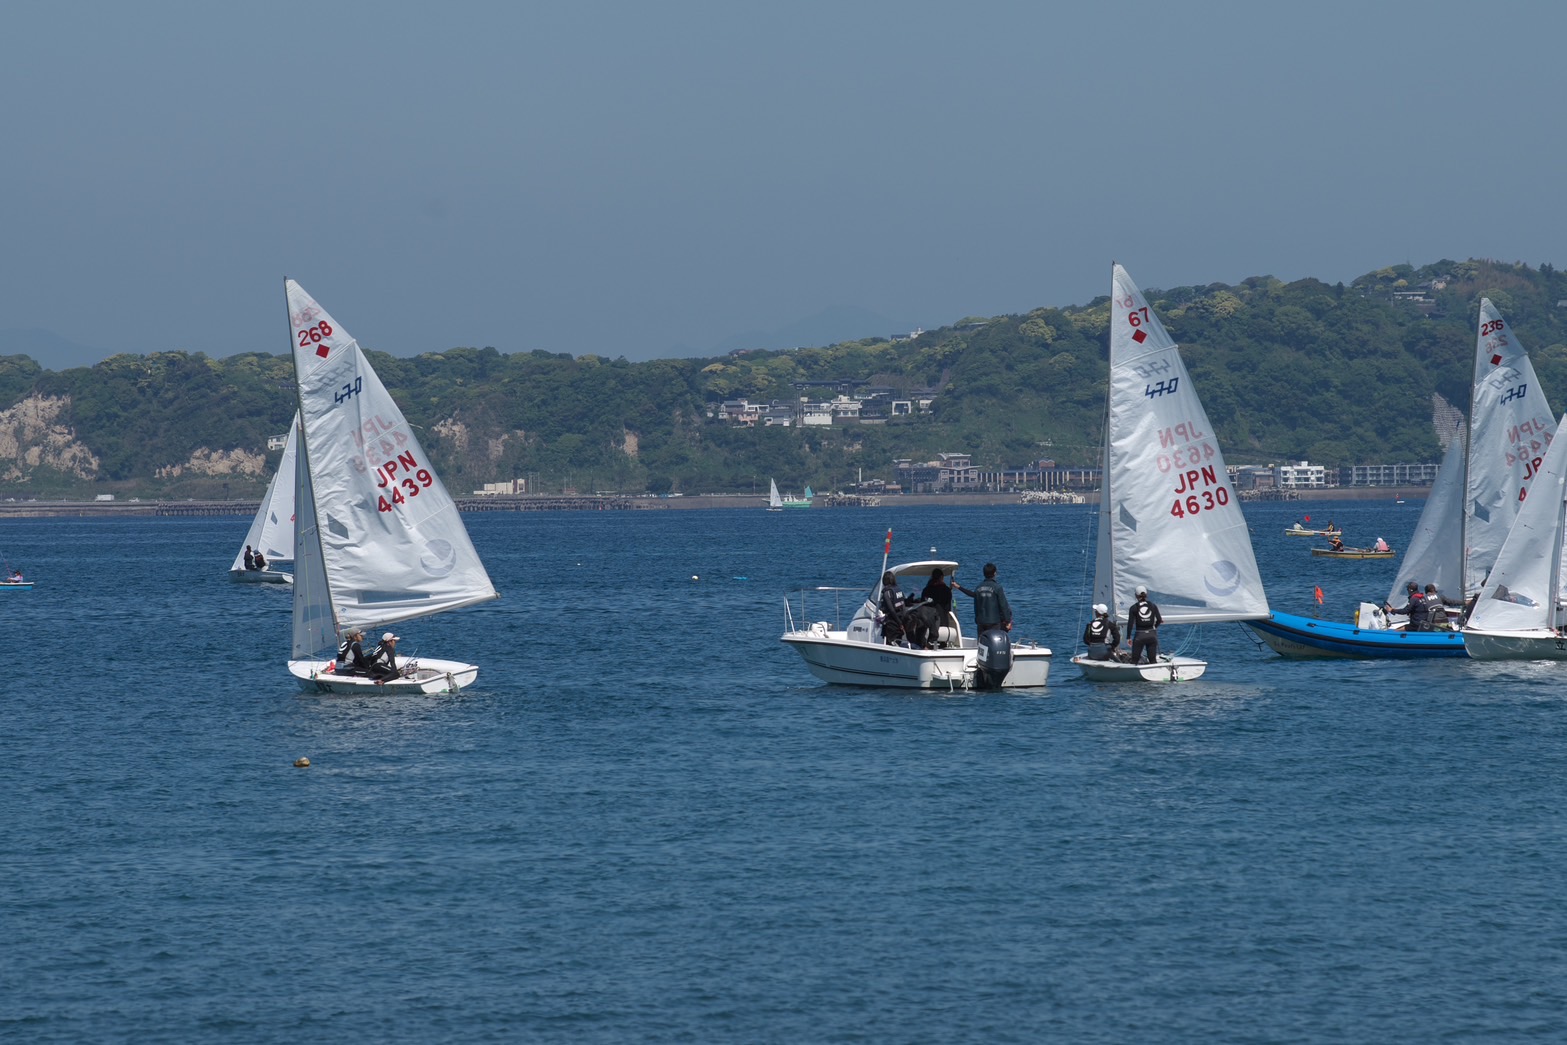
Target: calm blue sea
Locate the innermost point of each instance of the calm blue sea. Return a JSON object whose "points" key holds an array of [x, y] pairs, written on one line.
{"points": [[648, 822]]}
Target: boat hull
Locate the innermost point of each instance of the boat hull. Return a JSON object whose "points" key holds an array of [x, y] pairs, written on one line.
{"points": [[16, 585], [430, 676], [1167, 669], [261, 577], [1293, 636], [1292, 532], [835, 658], [1352, 553], [1542, 644]]}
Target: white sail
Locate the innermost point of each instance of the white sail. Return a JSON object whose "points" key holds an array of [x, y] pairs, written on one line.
{"points": [[1436, 550], [272, 530], [390, 541], [773, 498], [1174, 522], [1525, 581], [1511, 425]]}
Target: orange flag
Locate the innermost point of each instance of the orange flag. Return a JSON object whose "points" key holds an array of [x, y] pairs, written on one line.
{"points": [[1318, 590]]}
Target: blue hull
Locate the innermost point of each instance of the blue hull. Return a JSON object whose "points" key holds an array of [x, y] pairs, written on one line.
{"points": [[1293, 636]]}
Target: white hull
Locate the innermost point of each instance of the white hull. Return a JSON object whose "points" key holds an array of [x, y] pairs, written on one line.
{"points": [[431, 676], [1541, 644], [1169, 669], [834, 657], [261, 577]]}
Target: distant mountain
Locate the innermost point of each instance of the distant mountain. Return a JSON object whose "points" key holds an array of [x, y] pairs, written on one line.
{"points": [[828, 327], [48, 349]]}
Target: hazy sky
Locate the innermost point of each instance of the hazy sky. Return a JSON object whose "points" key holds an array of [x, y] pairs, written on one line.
{"points": [[655, 179]]}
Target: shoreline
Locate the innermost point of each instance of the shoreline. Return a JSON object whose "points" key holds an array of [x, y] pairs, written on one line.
{"points": [[42, 509]]}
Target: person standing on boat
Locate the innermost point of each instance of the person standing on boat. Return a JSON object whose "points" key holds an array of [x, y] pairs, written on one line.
{"points": [[1101, 636], [250, 558], [991, 609], [1142, 628], [1415, 609], [383, 659], [351, 655]]}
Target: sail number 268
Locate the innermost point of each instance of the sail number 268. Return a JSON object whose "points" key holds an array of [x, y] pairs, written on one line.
{"points": [[1206, 501], [388, 502], [316, 334]]}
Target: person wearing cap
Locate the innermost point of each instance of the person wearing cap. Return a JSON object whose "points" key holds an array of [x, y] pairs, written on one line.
{"points": [[1101, 636], [1437, 605], [383, 659], [1142, 628], [351, 655], [1415, 609], [991, 609]]}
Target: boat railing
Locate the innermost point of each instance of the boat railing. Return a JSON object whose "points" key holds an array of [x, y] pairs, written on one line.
{"points": [[822, 594]]}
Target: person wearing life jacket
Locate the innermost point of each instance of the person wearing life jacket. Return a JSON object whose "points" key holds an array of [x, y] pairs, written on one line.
{"points": [[1336, 543], [250, 558], [1102, 636], [991, 609], [896, 623], [351, 655], [1439, 606], [1142, 628], [1415, 609], [383, 659]]}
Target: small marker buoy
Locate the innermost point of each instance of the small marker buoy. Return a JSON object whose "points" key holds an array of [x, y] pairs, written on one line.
{"points": [[302, 763], [695, 577]]}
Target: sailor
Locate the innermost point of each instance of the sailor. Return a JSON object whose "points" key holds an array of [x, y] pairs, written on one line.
{"points": [[1415, 609], [1142, 628], [351, 655], [1335, 543], [250, 558], [383, 659], [1102, 636], [261, 561], [1437, 605]]}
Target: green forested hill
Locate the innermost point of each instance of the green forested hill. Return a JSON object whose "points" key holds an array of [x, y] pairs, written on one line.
{"points": [[1334, 374]]}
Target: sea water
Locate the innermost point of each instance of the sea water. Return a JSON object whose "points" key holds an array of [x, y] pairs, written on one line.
{"points": [[648, 822]]}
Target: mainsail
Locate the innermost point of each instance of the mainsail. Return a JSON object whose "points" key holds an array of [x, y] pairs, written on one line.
{"points": [[1169, 519], [384, 541], [272, 530]]}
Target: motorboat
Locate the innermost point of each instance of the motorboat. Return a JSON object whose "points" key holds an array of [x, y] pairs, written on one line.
{"points": [[857, 654]]}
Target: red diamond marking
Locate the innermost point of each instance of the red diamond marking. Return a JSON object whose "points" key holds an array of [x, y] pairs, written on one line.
{"points": [[1495, 360], [1139, 337], [322, 351]]}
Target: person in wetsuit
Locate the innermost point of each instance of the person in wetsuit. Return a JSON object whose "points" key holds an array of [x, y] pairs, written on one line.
{"points": [[1142, 628], [1102, 636]]}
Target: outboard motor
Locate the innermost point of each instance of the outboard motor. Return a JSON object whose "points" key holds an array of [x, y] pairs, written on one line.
{"points": [[995, 658]]}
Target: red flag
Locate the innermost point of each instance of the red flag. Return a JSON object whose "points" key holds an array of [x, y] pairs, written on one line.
{"points": [[888, 549], [1308, 518], [1318, 590]]}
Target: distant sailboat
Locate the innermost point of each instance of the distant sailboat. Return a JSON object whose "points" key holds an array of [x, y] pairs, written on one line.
{"points": [[379, 540], [272, 531], [774, 502]]}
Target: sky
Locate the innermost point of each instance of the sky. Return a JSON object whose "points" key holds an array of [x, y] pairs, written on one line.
{"points": [[683, 178]]}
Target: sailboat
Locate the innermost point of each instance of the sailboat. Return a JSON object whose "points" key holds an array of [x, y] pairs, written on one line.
{"points": [[1480, 487], [774, 502], [378, 540], [1519, 614], [272, 530], [1169, 520], [12, 579]]}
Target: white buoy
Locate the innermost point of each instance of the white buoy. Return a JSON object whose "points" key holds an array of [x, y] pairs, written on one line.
{"points": [[695, 577], [302, 763]]}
